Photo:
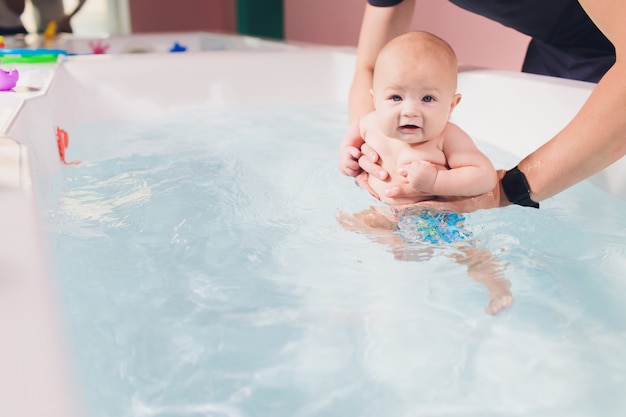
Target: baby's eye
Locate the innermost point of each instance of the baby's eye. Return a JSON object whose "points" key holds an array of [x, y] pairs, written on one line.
{"points": [[428, 99], [395, 97]]}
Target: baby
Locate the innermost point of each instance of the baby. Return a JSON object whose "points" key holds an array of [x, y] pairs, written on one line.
{"points": [[414, 94]]}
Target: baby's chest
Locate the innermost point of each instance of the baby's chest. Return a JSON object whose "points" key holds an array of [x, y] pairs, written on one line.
{"points": [[433, 155]]}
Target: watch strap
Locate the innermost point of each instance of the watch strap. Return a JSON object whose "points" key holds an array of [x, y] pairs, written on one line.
{"points": [[516, 188]]}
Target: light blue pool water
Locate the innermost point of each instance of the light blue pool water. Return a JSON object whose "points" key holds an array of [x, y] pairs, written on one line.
{"points": [[204, 274]]}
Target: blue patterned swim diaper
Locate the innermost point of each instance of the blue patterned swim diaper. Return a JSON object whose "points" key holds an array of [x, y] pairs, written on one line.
{"points": [[422, 225]]}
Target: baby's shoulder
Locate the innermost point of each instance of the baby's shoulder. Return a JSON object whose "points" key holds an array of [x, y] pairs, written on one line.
{"points": [[453, 132], [454, 129]]}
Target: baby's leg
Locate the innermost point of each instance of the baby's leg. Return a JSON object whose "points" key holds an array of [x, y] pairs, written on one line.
{"points": [[484, 268], [370, 220], [377, 222]]}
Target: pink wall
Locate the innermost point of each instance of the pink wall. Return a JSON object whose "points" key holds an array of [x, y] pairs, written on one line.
{"points": [[477, 41], [182, 15]]}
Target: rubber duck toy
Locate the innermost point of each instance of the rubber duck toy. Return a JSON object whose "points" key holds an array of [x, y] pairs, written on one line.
{"points": [[8, 79]]}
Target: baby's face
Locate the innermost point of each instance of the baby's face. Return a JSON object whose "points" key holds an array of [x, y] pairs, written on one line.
{"points": [[414, 100]]}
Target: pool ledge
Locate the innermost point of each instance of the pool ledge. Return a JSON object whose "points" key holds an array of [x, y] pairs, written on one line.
{"points": [[14, 166], [37, 377]]}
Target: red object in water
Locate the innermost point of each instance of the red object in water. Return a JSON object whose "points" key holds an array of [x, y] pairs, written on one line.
{"points": [[63, 141]]}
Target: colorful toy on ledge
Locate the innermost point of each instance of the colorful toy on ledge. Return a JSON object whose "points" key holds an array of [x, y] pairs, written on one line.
{"points": [[98, 47], [177, 47], [8, 79], [50, 34], [28, 55]]}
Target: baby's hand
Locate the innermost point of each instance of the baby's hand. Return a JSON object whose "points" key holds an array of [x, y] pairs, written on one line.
{"points": [[350, 150], [349, 160], [421, 176]]}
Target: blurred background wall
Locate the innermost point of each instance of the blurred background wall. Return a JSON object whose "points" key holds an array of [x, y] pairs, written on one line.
{"points": [[182, 15], [477, 41]]}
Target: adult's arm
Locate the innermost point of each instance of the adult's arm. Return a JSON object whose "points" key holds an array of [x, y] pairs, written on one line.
{"points": [[379, 26], [591, 141], [596, 136]]}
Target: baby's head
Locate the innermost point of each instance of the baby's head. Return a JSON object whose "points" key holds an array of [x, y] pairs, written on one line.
{"points": [[418, 52], [414, 86]]}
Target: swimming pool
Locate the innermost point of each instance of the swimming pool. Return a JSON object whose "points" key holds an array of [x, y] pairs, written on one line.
{"points": [[317, 344]]}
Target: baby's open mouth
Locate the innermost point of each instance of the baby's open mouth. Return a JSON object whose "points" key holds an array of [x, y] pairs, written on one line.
{"points": [[409, 127]]}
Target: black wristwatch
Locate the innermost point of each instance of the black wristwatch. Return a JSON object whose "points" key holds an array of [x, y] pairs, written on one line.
{"points": [[516, 188]]}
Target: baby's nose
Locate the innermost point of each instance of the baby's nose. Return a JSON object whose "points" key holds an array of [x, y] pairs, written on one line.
{"points": [[410, 109]]}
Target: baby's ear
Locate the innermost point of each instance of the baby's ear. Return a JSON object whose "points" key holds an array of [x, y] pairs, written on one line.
{"points": [[455, 100]]}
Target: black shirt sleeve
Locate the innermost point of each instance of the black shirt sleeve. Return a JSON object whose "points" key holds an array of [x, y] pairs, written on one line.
{"points": [[384, 3], [565, 42]]}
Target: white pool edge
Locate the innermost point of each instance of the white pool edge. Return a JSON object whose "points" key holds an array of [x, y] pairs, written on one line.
{"points": [[37, 377]]}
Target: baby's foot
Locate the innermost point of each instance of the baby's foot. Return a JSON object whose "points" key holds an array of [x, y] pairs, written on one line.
{"points": [[498, 303]]}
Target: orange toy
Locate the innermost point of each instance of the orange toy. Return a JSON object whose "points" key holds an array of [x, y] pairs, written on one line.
{"points": [[63, 141]]}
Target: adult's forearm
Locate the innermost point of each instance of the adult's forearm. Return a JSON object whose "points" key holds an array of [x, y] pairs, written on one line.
{"points": [[596, 137], [593, 140], [360, 101], [380, 25]]}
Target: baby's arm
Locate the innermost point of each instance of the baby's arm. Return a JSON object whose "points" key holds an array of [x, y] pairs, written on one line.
{"points": [[471, 172]]}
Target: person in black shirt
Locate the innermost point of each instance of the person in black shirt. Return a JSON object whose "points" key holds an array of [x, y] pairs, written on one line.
{"points": [[564, 41], [569, 39]]}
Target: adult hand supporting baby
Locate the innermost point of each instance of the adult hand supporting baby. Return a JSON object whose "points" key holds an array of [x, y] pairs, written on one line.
{"points": [[369, 163]]}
